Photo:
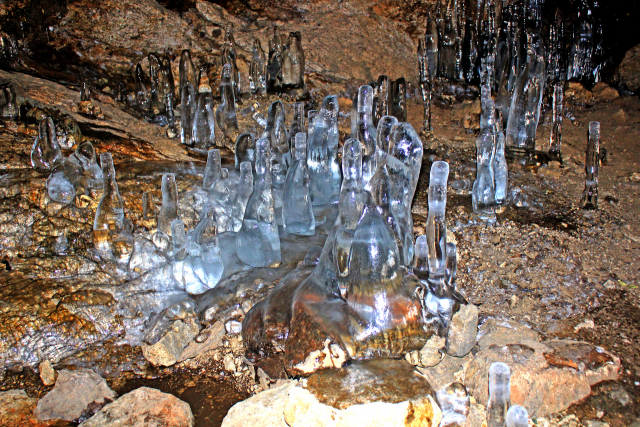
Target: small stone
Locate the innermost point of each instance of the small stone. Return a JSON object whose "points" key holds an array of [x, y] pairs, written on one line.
{"points": [[430, 354], [233, 327], [229, 362], [47, 373], [463, 330], [144, 407], [76, 396], [168, 349], [604, 93], [594, 423]]}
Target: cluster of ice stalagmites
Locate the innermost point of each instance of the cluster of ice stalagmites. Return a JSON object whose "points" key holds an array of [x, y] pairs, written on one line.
{"points": [[501, 45], [70, 176]]}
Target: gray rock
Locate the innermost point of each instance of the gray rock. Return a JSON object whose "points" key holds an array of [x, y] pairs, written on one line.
{"points": [[143, 407], [76, 396], [167, 350], [450, 369], [47, 373], [463, 330]]}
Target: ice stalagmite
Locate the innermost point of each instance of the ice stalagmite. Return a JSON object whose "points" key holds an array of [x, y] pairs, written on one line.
{"points": [[365, 132], [591, 168], [421, 255], [187, 72], [483, 193], [383, 133], [245, 150], [425, 85], [257, 69], [293, 63], [526, 100], [431, 46], [111, 231], [274, 63], [187, 112], [229, 55], [297, 210], [277, 132], [45, 152], [226, 111], [9, 108], [169, 208], [555, 139], [198, 266], [350, 206], [204, 123], [436, 227], [258, 242], [142, 89], [500, 168], [381, 99], [322, 155], [297, 125], [499, 394], [398, 99], [517, 416]]}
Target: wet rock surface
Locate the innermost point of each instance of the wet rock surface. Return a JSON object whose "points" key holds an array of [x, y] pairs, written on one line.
{"points": [[16, 409]]}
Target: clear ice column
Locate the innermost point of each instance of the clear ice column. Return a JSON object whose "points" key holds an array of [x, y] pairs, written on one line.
{"points": [[322, 155], [366, 133], [297, 210], [555, 140], [258, 242], [169, 208], [436, 227], [226, 111], [109, 217], [499, 394], [500, 168], [483, 193], [425, 84], [591, 167]]}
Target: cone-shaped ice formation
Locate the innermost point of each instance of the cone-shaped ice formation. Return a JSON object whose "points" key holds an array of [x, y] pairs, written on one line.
{"points": [[297, 210], [483, 193], [187, 113], [591, 168], [524, 112], [258, 242], [277, 133], [245, 149], [109, 219], [142, 90], [226, 111], [293, 63], [169, 208], [274, 63], [322, 155], [297, 125], [365, 132], [257, 69], [436, 227], [500, 168], [187, 72], [45, 152], [499, 394], [204, 124], [555, 140]]}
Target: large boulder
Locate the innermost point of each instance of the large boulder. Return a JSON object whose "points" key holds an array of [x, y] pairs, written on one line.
{"points": [[373, 393], [629, 69]]}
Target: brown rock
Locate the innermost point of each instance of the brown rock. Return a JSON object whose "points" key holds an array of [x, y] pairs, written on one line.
{"points": [[76, 396], [578, 93], [629, 69], [143, 407], [545, 377], [604, 93], [450, 369], [168, 349], [16, 409], [47, 373]]}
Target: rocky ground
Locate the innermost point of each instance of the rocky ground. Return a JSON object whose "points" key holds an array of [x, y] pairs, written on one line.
{"points": [[564, 272]]}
